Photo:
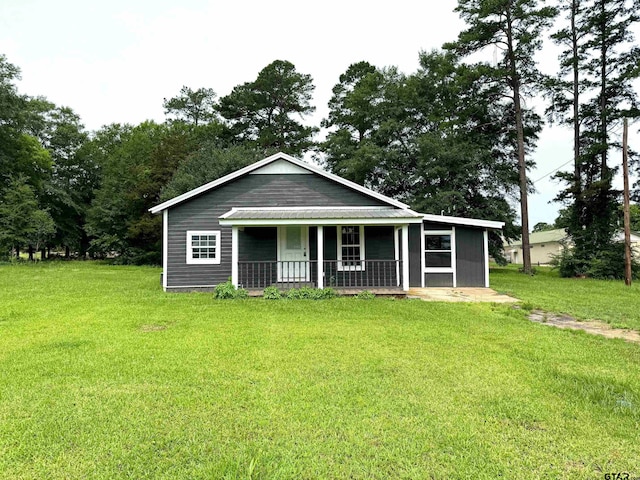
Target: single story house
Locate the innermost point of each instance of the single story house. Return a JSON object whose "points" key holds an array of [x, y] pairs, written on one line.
{"points": [[547, 244], [281, 221]]}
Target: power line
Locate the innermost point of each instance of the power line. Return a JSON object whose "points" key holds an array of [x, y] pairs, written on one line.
{"points": [[552, 171]]}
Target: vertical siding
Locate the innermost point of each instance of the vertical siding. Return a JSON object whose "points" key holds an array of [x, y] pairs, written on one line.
{"points": [[469, 257], [202, 212]]}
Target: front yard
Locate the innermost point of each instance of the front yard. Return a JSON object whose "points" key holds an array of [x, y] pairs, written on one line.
{"points": [[102, 375]]}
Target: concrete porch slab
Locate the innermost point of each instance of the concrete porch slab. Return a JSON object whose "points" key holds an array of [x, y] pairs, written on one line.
{"points": [[463, 294]]}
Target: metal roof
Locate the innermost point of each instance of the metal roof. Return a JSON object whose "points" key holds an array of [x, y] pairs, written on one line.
{"points": [[318, 213], [559, 234], [546, 236]]}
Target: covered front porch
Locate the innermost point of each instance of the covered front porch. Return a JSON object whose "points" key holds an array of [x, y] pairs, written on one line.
{"points": [[346, 249]]}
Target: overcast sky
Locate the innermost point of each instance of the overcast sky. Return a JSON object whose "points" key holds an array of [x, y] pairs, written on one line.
{"points": [[116, 60]]}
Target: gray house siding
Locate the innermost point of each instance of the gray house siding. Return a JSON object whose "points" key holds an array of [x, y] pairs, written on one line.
{"points": [[202, 212], [439, 280], [415, 256], [469, 257]]}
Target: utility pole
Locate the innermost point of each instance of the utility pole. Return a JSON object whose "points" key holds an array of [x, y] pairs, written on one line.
{"points": [[627, 219]]}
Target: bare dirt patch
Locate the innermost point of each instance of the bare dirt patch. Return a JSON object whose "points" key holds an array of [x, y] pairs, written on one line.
{"points": [[594, 327]]}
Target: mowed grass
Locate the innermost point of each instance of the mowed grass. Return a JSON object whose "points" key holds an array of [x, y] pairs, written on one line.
{"points": [[102, 375], [584, 298]]}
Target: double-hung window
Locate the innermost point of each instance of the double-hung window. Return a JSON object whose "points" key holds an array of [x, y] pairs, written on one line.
{"points": [[351, 247], [437, 252], [203, 247]]}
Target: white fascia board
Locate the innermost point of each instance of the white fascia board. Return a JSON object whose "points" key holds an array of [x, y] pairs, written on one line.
{"points": [[472, 222], [267, 161], [318, 221]]}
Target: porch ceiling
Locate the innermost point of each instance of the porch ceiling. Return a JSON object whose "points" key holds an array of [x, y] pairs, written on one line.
{"points": [[320, 215]]}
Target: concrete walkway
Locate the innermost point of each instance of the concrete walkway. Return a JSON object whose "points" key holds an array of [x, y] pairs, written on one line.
{"points": [[446, 294]]}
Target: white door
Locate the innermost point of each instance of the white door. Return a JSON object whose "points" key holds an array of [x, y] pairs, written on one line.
{"points": [[293, 248]]}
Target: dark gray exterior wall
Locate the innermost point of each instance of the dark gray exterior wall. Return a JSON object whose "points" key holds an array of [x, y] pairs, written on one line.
{"points": [[469, 257], [439, 280], [415, 256], [202, 212]]}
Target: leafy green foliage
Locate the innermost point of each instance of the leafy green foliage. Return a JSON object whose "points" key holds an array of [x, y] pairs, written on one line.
{"points": [[136, 164], [606, 264], [366, 295], [309, 293], [226, 290], [438, 139], [207, 164], [272, 293], [21, 221], [192, 106], [264, 113], [543, 227]]}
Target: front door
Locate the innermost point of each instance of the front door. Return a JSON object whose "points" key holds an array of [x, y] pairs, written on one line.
{"points": [[293, 251]]}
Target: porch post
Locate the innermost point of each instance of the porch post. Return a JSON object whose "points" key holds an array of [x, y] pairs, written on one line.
{"points": [[234, 256], [396, 253], [485, 239], [320, 257], [405, 257]]}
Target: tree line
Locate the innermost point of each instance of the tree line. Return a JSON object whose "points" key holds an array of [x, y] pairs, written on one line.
{"points": [[455, 136]]}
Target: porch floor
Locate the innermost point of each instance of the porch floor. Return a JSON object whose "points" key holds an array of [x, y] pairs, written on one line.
{"points": [[397, 292], [462, 294]]}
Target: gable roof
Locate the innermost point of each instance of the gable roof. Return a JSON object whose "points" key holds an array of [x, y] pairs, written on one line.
{"points": [[263, 163]]}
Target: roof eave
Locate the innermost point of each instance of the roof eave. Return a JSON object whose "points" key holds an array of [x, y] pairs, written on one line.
{"points": [[471, 222], [229, 222]]}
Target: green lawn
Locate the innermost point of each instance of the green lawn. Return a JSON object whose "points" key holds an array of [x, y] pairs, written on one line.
{"points": [[102, 375], [584, 298]]}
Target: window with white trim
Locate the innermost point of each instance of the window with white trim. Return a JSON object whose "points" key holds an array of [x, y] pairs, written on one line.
{"points": [[437, 252], [203, 247], [350, 247]]}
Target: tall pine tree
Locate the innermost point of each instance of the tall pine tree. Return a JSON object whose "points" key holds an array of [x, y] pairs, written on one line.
{"points": [[593, 92], [514, 27]]}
